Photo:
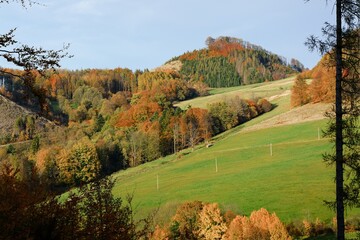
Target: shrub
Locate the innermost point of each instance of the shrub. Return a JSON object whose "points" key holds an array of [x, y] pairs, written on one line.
{"points": [[264, 105]]}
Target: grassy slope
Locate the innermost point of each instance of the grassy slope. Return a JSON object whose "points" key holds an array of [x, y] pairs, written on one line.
{"points": [[293, 182], [246, 92]]}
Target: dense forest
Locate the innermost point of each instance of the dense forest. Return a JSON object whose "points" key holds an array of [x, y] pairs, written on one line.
{"points": [[228, 62]]}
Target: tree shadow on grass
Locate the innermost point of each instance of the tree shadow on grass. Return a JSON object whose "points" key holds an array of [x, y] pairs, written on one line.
{"points": [[330, 236]]}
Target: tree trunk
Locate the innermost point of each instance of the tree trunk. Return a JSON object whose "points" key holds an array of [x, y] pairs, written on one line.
{"points": [[339, 127]]}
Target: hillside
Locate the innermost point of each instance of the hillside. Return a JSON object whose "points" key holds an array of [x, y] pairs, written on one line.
{"points": [[242, 171], [10, 112], [270, 90]]}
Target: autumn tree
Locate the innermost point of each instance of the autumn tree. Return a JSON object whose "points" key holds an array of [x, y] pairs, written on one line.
{"points": [[260, 225], [299, 92], [211, 223], [342, 42], [322, 88], [184, 225], [195, 126], [133, 147], [79, 165], [225, 117], [24, 127]]}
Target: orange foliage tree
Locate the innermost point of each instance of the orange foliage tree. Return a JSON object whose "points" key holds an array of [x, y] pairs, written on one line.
{"points": [[260, 225], [321, 88], [299, 92], [195, 126]]}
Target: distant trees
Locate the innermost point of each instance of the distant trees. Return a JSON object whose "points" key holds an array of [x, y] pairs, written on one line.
{"points": [[299, 92], [320, 89], [195, 126], [225, 117], [232, 112], [231, 62], [24, 128], [296, 65]]}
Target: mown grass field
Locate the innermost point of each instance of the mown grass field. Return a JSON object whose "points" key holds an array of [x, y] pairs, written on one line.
{"points": [[293, 181]]}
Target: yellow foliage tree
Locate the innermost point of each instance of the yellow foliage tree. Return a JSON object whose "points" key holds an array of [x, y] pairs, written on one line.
{"points": [[79, 165], [211, 224]]}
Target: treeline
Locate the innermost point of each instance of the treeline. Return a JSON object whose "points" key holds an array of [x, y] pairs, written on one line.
{"points": [[229, 62], [320, 89], [44, 93]]}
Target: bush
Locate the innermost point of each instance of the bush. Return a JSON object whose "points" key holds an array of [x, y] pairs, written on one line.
{"points": [[264, 105], [353, 224]]}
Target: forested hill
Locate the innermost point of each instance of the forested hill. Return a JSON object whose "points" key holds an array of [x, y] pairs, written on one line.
{"points": [[228, 62]]}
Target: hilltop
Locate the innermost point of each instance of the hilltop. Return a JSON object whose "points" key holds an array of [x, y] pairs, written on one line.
{"points": [[228, 62]]}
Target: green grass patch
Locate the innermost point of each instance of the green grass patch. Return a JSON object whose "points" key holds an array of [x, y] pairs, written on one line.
{"points": [[293, 182]]}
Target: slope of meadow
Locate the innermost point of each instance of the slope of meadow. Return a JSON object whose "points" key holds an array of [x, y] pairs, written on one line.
{"points": [[271, 90], [278, 167]]}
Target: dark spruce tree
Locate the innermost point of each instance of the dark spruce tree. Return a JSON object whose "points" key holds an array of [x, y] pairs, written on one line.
{"points": [[343, 45]]}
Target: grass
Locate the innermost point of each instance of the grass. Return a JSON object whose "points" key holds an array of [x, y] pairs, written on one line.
{"points": [[293, 182], [348, 236], [260, 90]]}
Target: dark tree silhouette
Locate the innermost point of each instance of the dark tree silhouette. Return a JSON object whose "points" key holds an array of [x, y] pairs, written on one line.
{"points": [[342, 43], [29, 211]]}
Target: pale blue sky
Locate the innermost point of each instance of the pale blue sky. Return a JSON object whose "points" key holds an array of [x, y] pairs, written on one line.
{"points": [[141, 34]]}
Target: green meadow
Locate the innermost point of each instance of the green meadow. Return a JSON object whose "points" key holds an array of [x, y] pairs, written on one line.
{"points": [[278, 168], [259, 90], [293, 181]]}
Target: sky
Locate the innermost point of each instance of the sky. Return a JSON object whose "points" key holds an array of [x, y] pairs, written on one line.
{"points": [[144, 34]]}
